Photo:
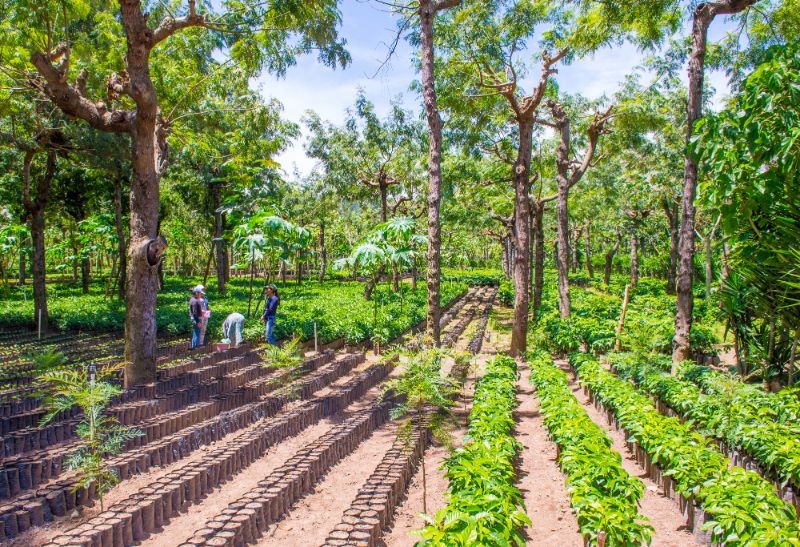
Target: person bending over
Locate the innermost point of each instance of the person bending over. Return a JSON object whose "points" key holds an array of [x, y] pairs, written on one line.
{"points": [[232, 328]]}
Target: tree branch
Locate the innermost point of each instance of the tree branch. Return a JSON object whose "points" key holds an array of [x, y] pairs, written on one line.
{"points": [[71, 100], [170, 25], [596, 128]]}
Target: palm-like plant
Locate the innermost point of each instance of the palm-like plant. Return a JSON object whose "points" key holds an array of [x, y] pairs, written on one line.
{"points": [[102, 435], [284, 357], [427, 398]]}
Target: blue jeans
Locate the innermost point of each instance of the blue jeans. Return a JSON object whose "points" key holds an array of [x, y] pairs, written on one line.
{"points": [[197, 335], [270, 320]]}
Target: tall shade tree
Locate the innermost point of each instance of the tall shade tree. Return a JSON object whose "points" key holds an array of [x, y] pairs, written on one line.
{"points": [[568, 174], [487, 42], [421, 15], [704, 14], [367, 151], [60, 37]]}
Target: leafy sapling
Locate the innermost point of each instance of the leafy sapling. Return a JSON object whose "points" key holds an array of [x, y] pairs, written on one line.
{"points": [[427, 398], [90, 390], [284, 357]]}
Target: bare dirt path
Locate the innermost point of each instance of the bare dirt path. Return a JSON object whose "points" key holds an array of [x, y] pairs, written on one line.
{"points": [[541, 481], [309, 521], [539, 478], [663, 512]]}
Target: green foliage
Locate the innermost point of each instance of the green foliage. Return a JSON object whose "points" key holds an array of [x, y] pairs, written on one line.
{"points": [[300, 307], [421, 385], [48, 360], [484, 507], [602, 494], [474, 278], [285, 356], [743, 507], [743, 417], [506, 293], [101, 435], [750, 154]]}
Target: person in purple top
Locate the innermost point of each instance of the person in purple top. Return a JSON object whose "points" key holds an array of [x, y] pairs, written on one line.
{"points": [[270, 309]]}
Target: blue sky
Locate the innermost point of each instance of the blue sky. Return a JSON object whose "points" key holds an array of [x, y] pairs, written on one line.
{"points": [[369, 28]]}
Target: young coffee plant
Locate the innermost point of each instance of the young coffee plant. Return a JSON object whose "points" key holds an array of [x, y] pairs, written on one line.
{"points": [[102, 435], [284, 357], [426, 398]]}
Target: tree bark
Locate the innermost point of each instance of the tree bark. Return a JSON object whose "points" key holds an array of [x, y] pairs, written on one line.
{"points": [[219, 242], [588, 239], [122, 247], [670, 209], [85, 273], [707, 243], [537, 214], [427, 13], [610, 260], [522, 234], [35, 207], [23, 267], [323, 253], [142, 281], [384, 190], [704, 14], [39, 271], [562, 218], [724, 261], [574, 250], [634, 260]]}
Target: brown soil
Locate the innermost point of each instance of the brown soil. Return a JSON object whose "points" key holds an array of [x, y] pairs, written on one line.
{"points": [[662, 512], [310, 520], [184, 526], [541, 480]]}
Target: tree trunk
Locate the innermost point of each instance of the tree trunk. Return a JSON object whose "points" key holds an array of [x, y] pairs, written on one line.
{"points": [[505, 261], [85, 272], [703, 15], [39, 271], [122, 247], [587, 235], [414, 274], [574, 250], [538, 255], [610, 260], [724, 261], [35, 208], [298, 271], [142, 282], [670, 209], [707, 242], [427, 13], [23, 267], [562, 220], [522, 233], [395, 279], [384, 191], [634, 260], [219, 242], [323, 253]]}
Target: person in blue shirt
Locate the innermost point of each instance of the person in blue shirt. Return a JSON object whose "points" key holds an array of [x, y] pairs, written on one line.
{"points": [[270, 309]]}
